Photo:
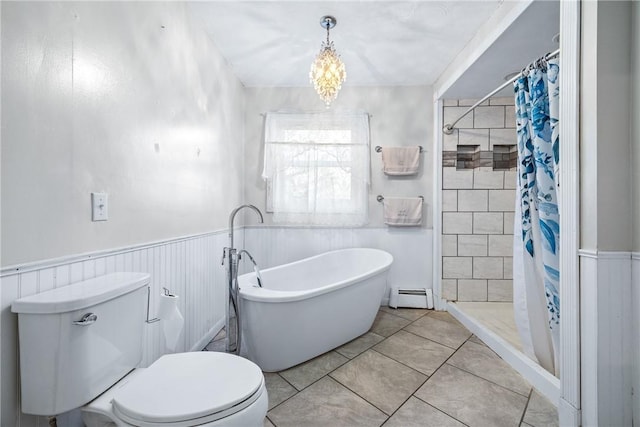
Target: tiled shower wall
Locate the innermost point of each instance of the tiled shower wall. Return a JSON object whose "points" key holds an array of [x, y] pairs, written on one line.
{"points": [[478, 203]]}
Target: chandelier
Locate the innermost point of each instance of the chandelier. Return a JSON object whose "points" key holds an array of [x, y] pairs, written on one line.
{"points": [[327, 70]]}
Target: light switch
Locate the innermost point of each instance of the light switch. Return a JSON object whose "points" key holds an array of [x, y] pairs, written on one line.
{"points": [[99, 207]]}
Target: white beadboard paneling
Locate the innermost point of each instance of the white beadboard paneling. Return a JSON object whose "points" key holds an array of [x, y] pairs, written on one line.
{"points": [[635, 327], [188, 266], [606, 338]]}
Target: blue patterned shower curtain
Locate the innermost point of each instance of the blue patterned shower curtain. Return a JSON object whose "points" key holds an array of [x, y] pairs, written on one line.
{"points": [[537, 229]]}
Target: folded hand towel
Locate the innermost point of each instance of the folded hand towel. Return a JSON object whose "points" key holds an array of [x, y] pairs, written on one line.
{"points": [[400, 160], [403, 212]]}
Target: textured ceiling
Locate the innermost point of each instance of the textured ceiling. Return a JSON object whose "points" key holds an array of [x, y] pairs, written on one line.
{"points": [[272, 43]]}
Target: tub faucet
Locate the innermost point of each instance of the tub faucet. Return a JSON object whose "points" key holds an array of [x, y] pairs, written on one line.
{"points": [[255, 265], [232, 255], [232, 217]]}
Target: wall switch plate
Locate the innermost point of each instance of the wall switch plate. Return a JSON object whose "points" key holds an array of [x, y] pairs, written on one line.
{"points": [[99, 207]]}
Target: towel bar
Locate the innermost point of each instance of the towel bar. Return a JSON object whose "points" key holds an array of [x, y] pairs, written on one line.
{"points": [[379, 149], [380, 198]]}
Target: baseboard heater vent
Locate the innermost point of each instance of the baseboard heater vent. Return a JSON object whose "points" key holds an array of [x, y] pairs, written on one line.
{"points": [[410, 297]]}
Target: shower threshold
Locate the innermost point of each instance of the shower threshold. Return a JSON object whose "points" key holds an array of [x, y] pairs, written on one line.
{"points": [[493, 323]]}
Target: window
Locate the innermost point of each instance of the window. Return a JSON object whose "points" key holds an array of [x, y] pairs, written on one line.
{"points": [[317, 168]]}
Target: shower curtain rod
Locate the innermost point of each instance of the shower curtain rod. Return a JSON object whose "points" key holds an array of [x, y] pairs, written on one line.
{"points": [[448, 128]]}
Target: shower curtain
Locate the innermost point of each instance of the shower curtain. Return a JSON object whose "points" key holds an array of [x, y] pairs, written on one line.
{"points": [[536, 228]]}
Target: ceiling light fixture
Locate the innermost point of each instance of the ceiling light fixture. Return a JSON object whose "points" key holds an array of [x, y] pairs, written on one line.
{"points": [[327, 70]]}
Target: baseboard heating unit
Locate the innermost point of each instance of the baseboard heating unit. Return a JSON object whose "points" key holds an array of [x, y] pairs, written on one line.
{"points": [[410, 297]]}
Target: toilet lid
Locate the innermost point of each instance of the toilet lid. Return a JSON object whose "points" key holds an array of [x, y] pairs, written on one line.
{"points": [[184, 386]]}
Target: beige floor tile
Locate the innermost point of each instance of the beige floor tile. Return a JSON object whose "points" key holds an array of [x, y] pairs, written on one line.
{"points": [[483, 362], [303, 375], [267, 423], [451, 334], [541, 412], [360, 344], [416, 413], [472, 400], [407, 313], [278, 389], [477, 340], [380, 380], [326, 403], [386, 324], [419, 353]]}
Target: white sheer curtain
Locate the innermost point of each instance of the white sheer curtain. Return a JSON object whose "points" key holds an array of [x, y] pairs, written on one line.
{"points": [[317, 168]]}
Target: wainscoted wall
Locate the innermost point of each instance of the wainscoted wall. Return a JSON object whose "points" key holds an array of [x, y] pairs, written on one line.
{"points": [[411, 248], [478, 202], [607, 337], [635, 328], [189, 266]]}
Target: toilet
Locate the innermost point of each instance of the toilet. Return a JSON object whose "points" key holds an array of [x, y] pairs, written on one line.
{"points": [[80, 347]]}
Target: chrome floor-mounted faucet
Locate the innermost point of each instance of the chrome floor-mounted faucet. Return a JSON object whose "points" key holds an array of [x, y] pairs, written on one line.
{"points": [[232, 256]]}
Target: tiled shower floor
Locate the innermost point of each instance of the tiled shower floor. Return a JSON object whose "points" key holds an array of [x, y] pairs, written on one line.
{"points": [[413, 368]]}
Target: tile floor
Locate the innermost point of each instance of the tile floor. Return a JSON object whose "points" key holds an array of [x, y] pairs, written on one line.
{"points": [[413, 368]]}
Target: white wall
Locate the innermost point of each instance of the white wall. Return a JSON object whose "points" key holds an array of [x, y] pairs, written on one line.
{"points": [[123, 97], [635, 123], [635, 170], [131, 99], [400, 116]]}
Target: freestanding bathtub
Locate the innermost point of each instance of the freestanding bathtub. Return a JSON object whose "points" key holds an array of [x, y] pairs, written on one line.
{"points": [[310, 306]]}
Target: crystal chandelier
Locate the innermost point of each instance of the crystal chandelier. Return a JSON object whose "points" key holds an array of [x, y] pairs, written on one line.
{"points": [[327, 70]]}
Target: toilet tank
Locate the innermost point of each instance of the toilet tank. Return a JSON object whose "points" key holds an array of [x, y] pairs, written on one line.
{"points": [[78, 340]]}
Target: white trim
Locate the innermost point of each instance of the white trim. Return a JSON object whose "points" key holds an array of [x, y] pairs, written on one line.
{"points": [[569, 207], [70, 259], [635, 255], [439, 302], [206, 338], [587, 253], [485, 37], [536, 375]]}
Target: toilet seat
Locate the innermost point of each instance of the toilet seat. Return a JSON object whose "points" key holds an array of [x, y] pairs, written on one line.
{"points": [[187, 389]]}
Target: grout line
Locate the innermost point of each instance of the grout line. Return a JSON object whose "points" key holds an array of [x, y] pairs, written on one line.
{"points": [[526, 407]]}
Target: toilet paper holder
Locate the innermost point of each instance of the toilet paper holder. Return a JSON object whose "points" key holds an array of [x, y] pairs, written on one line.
{"points": [[166, 291]]}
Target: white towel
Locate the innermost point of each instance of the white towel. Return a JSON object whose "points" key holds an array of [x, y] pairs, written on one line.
{"points": [[403, 212], [400, 160]]}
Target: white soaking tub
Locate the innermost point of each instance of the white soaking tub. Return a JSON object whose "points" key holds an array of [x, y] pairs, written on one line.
{"points": [[311, 306]]}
